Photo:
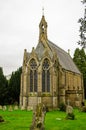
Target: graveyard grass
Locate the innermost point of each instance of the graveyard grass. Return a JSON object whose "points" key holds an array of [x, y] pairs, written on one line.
{"points": [[54, 120]]}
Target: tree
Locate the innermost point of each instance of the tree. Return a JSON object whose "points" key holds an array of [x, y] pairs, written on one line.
{"points": [[3, 88], [82, 30], [80, 60], [14, 86]]}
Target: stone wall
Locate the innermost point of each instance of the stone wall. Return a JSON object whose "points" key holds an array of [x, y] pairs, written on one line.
{"points": [[64, 86]]}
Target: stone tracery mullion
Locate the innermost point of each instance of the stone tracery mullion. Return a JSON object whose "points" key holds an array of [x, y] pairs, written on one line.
{"points": [[33, 67], [45, 82]]}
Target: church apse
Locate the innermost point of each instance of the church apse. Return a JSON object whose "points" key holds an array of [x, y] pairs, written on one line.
{"points": [[49, 75]]}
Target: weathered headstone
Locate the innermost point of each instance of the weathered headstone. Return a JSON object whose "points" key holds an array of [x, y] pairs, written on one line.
{"points": [[1, 107], [38, 117], [16, 107], [29, 108], [22, 108], [69, 109], [77, 104], [83, 107], [70, 114], [10, 108], [4, 108]]}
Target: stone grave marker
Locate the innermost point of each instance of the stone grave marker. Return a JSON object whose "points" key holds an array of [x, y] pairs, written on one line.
{"points": [[10, 108], [69, 112], [69, 109], [16, 107], [29, 108], [22, 108], [38, 117], [1, 107], [4, 108]]}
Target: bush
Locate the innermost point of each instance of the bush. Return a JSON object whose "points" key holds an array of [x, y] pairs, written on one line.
{"points": [[83, 109], [70, 116], [62, 107], [1, 119], [47, 109]]}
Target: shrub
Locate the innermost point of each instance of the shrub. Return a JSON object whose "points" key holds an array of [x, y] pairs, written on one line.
{"points": [[1, 119], [70, 116], [83, 109], [39, 125], [47, 109], [62, 107]]}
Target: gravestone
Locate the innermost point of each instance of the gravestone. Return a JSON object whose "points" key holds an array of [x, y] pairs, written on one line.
{"points": [[77, 103], [69, 109], [29, 108], [16, 107], [70, 114], [4, 108], [10, 108], [38, 117], [1, 107], [22, 108], [1, 119]]}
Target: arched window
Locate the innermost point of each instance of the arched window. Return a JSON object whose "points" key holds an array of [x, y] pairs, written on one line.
{"points": [[33, 76], [45, 76]]}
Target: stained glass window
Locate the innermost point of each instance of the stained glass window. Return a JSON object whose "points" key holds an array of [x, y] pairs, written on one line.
{"points": [[33, 64], [45, 76], [33, 76], [31, 81], [48, 81], [35, 81], [43, 81]]}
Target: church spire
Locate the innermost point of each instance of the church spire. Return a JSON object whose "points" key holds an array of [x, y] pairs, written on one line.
{"points": [[42, 28], [42, 11]]}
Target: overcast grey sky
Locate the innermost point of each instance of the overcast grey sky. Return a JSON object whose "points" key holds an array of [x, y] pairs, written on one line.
{"points": [[19, 27]]}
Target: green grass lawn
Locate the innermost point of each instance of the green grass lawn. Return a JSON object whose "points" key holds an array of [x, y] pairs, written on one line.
{"points": [[21, 120]]}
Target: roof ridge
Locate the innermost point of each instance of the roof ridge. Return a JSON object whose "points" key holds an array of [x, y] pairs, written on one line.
{"points": [[58, 47], [64, 58]]}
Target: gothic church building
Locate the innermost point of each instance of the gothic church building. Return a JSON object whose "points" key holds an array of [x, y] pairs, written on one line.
{"points": [[49, 75]]}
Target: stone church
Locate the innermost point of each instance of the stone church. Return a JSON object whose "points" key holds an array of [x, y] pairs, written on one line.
{"points": [[49, 75]]}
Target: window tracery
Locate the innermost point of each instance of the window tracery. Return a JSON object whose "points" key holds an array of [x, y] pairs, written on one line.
{"points": [[33, 75], [45, 76]]}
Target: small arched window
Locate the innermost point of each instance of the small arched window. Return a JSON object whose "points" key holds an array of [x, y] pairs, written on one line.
{"points": [[33, 76], [45, 76]]}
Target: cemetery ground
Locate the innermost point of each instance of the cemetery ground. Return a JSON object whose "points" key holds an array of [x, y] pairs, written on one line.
{"points": [[54, 120]]}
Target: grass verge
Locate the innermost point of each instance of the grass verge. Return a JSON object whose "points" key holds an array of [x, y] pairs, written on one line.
{"points": [[54, 120]]}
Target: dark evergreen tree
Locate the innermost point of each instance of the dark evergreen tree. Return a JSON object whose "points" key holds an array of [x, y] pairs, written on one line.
{"points": [[3, 88], [80, 60], [14, 86], [82, 30]]}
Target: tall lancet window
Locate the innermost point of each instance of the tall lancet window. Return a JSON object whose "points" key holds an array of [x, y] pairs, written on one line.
{"points": [[45, 76], [33, 76]]}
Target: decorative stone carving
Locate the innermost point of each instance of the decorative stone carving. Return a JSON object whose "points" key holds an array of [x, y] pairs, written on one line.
{"points": [[38, 117]]}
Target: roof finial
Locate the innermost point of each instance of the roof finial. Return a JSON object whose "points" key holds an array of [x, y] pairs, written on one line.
{"points": [[69, 51], [43, 11]]}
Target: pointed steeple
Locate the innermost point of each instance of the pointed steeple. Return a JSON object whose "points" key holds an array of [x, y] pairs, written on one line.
{"points": [[25, 57], [43, 28], [42, 11]]}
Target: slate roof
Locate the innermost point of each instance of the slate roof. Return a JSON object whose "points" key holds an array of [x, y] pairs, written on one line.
{"points": [[65, 59]]}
